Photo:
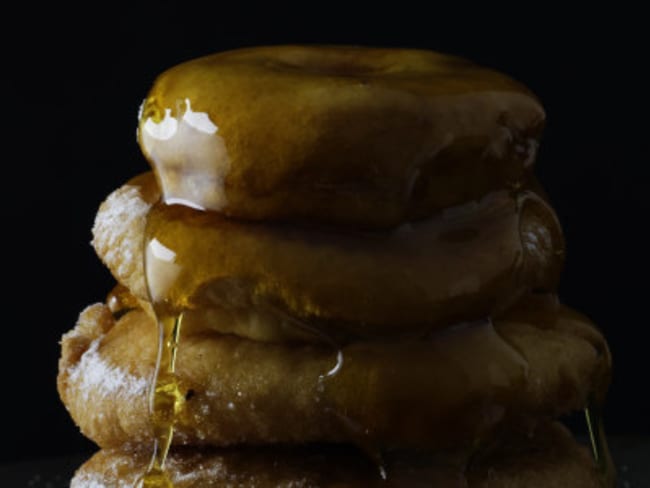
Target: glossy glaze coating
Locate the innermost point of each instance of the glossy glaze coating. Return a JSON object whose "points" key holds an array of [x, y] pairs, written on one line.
{"points": [[370, 137], [543, 458], [449, 390], [361, 254], [463, 264]]}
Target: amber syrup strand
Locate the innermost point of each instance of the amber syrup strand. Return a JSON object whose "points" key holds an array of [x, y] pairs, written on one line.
{"points": [[165, 401], [165, 397], [598, 441]]}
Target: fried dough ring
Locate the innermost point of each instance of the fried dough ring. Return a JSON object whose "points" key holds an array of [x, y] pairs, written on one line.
{"points": [[550, 457], [464, 264], [370, 137], [443, 392]]}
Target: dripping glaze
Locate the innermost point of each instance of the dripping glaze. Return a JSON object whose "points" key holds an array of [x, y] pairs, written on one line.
{"points": [[171, 290]]}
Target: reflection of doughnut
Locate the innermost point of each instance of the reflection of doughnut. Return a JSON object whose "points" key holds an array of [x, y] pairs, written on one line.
{"points": [[463, 264], [372, 137], [549, 457], [440, 392]]}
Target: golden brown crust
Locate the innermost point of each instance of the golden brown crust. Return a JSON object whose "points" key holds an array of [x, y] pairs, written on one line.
{"points": [[447, 391], [550, 457], [463, 264], [369, 137], [369, 209], [86, 379]]}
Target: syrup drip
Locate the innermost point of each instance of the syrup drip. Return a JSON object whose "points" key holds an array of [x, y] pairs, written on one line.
{"points": [[165, 401], [318, 334], [175, 270], [494, 362], [166, 398], [598, 441]]}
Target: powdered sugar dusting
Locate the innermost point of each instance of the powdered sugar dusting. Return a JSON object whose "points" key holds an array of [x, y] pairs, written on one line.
{"points": [[90, 481], [95, 480], [214, 471], [117, 233], [93, 375]]}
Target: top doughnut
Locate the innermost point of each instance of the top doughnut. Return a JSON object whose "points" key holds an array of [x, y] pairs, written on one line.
{"points": [[336, 134]]}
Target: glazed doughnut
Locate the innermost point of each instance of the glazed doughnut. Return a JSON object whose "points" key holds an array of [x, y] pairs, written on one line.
{"points": [[548, 457], [347, 135], [341, 271], [435, 393], [465, 263]]}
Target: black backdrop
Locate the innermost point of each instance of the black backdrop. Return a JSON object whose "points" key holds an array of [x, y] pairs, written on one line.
{"points": [[73, 81]]}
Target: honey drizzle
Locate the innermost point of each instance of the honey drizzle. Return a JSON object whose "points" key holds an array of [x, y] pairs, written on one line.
{"points": [[169, 284], [598, 442], [165, 400], [165, 396]]}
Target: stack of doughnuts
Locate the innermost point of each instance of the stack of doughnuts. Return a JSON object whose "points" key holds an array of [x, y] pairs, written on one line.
{"points": [[366, 271]]}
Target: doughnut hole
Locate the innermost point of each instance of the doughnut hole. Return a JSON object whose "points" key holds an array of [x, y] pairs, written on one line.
{"points": [[331, 63]]}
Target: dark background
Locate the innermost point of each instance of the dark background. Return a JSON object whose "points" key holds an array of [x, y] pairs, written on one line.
{"points": [[73, 81]]}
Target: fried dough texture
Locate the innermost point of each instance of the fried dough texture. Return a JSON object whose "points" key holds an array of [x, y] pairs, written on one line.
{"points": [[465, 264], [548, 457], [445, 391]]}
